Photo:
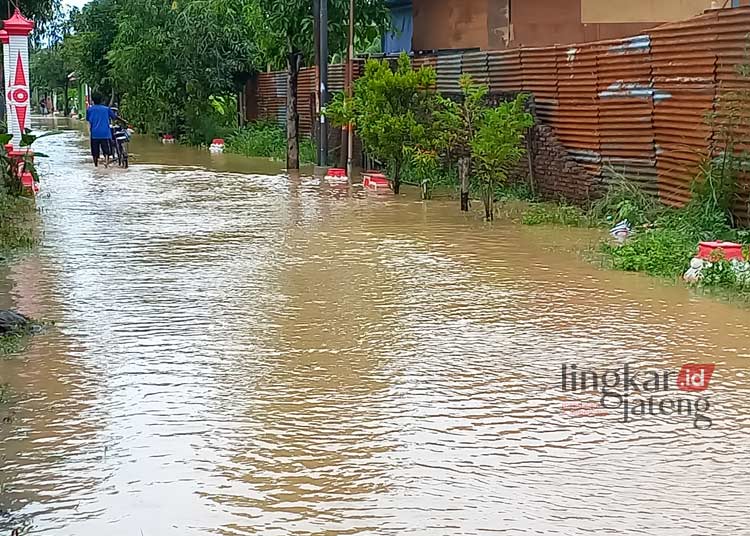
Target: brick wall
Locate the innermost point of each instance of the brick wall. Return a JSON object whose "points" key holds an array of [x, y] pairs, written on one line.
{"points": [[557, 175]]}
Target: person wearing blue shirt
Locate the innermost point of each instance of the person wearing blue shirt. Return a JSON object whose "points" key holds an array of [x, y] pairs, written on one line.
{"points": [[98, 116]]}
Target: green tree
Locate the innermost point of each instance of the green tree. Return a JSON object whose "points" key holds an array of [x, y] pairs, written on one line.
{"points": [[42, 12], [95, 29], [141, 66], [456, 124], [484, 142], [391, 110], [49, 72], [283, 31], [167, 62], [497, 146]]}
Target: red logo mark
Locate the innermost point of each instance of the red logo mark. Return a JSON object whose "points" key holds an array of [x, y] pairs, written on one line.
{"points": [[694, 377]]}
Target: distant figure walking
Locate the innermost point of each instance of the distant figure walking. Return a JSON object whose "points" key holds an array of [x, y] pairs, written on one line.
{"points": [[43, 105], [98, 115]]}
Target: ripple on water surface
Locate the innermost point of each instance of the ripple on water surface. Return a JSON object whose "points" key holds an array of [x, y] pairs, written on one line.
{"points": [[246, 353]]}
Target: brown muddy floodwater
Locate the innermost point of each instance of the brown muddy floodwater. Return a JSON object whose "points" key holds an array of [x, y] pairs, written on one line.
{"points": [[240, 352]]}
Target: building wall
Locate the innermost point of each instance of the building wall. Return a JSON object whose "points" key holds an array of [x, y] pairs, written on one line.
{"points": [[629, 11], [441, 24], [447, 24], [549, 22], [498, 24]]}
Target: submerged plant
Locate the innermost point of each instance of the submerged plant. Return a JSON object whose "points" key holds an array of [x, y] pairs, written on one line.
{"points": [[554, 214], [266, 139]]}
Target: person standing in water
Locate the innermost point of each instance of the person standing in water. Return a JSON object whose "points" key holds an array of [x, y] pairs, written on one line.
{"points": [[98, 115]]}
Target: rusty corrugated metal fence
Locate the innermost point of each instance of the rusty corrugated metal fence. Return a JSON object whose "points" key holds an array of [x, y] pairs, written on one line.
{"points": [[635, 106]]}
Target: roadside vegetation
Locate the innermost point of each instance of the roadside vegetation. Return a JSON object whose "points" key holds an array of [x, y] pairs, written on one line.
{"points": [[16, 208], [15, 341], [404, 123], [177, 67], [665, 239], [268, 140]]}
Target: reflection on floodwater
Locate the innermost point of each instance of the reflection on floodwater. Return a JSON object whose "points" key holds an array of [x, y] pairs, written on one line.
{"points": [[237, 351]]}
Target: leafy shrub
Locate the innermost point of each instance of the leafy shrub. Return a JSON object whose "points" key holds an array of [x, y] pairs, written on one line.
{"points": [[625, 200], [660, 252], [720, 274], [266, 139], [391, 109]]}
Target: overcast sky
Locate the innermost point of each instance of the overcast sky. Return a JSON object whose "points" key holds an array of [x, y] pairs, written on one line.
{"points": [[78, 3]]}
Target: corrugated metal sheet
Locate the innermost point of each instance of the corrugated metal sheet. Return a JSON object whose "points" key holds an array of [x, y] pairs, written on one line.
{"points": [[683, 69], [424, 61], [474, 64], [448, 73], [306, 100], [539, 66], [272, 96], [732, 48], [637, 105], [505, 73], [577, 117], [626, 111], [336, 77]]}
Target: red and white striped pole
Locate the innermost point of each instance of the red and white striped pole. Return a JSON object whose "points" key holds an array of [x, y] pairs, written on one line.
{"points": [[16, 31]]}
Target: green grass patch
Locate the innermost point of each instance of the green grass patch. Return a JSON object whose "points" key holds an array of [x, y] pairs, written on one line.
{"points": [[555, 214], [664, 239], [15, 230], [266, 140], [15, 341], [659, 252]]}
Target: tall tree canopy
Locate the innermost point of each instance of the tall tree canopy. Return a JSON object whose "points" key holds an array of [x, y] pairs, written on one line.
{"points": [[169, 59], [285, 36], [175, 65], [40, 11], [94, 30]]}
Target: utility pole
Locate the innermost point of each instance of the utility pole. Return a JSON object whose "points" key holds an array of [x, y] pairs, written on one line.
{"points": [[323, 153], [316, 38], [350, 91]]}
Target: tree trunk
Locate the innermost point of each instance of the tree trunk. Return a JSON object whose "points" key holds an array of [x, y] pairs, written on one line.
{"points": [[66, 106], [464, 172], [397, 178], [294, 61]]}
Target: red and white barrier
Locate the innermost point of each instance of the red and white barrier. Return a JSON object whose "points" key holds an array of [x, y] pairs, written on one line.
{"points": [[217, 146], [376, 182]]}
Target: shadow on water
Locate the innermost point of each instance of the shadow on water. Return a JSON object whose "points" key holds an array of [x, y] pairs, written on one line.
{"points": [[242, 352]]}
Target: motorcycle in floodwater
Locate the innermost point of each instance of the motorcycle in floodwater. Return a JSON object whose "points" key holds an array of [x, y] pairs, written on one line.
{"points": [[120, 139]]}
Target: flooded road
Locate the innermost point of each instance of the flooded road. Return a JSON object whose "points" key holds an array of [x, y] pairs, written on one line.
{"points": [[239, 352]]}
